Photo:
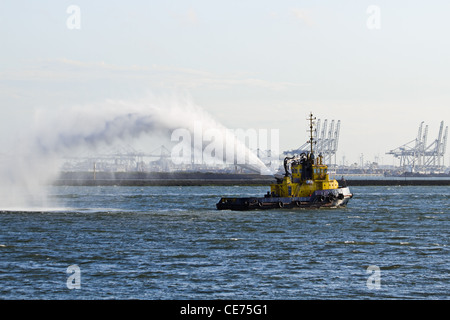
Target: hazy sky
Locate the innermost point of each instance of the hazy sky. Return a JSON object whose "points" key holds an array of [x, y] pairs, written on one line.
{"points": [[381, 67]]}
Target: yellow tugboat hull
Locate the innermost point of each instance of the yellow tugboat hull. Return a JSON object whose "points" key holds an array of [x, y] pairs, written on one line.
{"points": [[332, 198]]}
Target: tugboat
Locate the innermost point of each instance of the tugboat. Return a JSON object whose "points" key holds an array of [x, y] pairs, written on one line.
{"points": [[306, 184]]}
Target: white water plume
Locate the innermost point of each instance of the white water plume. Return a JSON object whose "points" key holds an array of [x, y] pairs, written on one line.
{"points": [[69, 130]]}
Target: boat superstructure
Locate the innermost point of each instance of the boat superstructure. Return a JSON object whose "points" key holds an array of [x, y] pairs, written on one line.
{"points": [[306, 183]]}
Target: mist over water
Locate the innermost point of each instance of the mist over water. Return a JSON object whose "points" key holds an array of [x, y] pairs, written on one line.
{"points": [[67, 131]]}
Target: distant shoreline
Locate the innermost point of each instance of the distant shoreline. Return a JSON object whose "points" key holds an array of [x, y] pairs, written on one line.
{"points": [[209, 179]]}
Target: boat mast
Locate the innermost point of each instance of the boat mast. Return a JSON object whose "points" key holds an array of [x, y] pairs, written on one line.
{"points": [[311, 139]]}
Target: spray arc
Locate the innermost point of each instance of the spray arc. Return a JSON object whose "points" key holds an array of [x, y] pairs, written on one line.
{"points": [[66, 131]]}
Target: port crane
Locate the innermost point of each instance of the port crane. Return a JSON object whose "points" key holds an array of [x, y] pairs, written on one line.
{"points": [[420, 156]]}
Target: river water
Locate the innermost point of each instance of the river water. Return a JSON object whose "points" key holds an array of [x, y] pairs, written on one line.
{"points": [[171, 243]]}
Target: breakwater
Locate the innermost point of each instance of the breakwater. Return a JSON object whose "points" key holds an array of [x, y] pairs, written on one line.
{"points": [[209, 178], [159, 179]]}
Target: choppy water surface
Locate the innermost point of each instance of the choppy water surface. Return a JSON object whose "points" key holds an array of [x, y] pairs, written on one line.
{"points": [[171, 243]]}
